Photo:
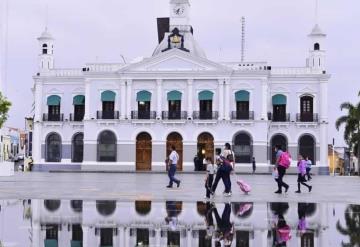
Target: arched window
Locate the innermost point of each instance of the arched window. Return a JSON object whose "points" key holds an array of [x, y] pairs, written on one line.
{"points": [[52, 205], [316, 46], [174, 99], [108, 105], [144, 105], [143, 207], [242, 98], [106, 208], [53, 148], [44, 51], [106, 148], [277, 140], [279, 108], [77, 147], [77, 205], [206, 105], [307, 147], [53, 103], [243, 148], [79, 107]]}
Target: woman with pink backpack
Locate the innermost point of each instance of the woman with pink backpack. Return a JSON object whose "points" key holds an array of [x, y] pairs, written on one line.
{"points": [[283, 160]]}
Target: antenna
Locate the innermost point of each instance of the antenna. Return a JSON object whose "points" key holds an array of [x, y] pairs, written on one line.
{"points": [[242, 39], [316, 11], [46, 16]]}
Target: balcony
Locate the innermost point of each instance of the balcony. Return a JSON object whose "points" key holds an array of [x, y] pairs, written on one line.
{"points": [[205, 115], [53, 117], [143, 115], [76, 117], [309, 118], [279, 117], [107, 115], [174, 115], [238, 115]]}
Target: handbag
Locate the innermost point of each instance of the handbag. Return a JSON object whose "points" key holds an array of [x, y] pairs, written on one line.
{"points": [[275, 173]]}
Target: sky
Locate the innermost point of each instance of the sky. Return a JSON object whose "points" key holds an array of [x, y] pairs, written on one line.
{"points": [[105, 30]]}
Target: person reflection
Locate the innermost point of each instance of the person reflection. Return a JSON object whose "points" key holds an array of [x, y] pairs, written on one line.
{"points": [[225, 229], [281, 230], [302, 225], [209, 221], [172, 213]]}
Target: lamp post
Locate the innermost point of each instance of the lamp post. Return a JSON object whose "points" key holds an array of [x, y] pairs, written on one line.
{"points": [[333, 149]]}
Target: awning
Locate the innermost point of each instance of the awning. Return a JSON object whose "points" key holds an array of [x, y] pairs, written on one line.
{"points": [[79, 100], [242, 95], [206, 95], [53, 100], [143, 96], [279, 99], [174, 95], [108, 96]]}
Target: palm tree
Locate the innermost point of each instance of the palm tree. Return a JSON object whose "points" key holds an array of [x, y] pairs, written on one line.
{"points": [[4, 108], [351, 121], [352, 219]]}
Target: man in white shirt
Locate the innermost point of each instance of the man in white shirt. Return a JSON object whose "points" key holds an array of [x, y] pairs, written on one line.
{"points": [[173, 160]]}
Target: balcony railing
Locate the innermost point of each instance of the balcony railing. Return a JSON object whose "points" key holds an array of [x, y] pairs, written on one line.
{"points": [[53, 117], [238, 115], [174, 115], [76, 117], [304, 117], [143, 115], [107, 115], [279, 117], [205, 115]]}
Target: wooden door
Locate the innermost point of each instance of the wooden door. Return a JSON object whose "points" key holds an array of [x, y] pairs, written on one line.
{"points": [[143, 152], [205, 146], [176, 140]]}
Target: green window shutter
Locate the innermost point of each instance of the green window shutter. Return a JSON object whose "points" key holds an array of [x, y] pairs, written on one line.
{"points": [[174, 95], [206, 95], [108, 96], [76, 243], [279, 99], [242, 95], [53, 100], [51, 243], [143, 96], [79, 100]]}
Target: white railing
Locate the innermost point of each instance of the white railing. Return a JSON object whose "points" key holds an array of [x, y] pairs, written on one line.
{"points": [[295, 71], [63, 72], [104, 67], [247, 66]]}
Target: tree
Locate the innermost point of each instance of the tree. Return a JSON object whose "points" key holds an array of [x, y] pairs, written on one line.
{"points": [[352, 221], [351, 122], [4, 109]]}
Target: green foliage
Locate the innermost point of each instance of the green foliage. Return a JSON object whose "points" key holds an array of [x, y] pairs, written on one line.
{"points": [[4, 109], [352, 229]]}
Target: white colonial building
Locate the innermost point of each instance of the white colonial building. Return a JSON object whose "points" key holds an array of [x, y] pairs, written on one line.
{"points": [[126, 116]]}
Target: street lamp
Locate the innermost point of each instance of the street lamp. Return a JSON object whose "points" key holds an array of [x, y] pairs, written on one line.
{"points": [[333, 149]]}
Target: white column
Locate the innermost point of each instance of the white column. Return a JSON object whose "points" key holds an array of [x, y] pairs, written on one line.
{"points": [[323, 101], [86, 236], [128, 98], [36, 152], [36, 232], [323, 123], [159, 98], [227, 98], [221, 99], [190, 98], [264, 91], [122, 99], [87, 115], [38, 100], [158, 237]]}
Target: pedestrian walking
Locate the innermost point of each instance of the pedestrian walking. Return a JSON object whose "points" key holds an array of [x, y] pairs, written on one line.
{"points": [[282, 163], [308, 168], [173, 160], [225, 228], [253, 165], [210, 172], [301, 165]]}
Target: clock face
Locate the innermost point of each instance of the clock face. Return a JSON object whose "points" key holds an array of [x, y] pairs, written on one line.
{"points": [[179, 10]]}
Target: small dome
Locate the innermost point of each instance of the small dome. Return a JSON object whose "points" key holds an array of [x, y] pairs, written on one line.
{"points": [[317, 31], [45, 35]]}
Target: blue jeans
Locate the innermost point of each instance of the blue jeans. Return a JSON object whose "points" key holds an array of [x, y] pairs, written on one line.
{"points": [[223, 173], [171, 174]]}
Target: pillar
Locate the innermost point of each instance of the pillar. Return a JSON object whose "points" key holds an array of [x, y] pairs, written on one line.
{"points": [[159, 98], [122, 99], [87, 115], [227, 98], [36, 152], [128, 98], [190, 98], [264, 92], [158, 237], [221, 99], [323, 166], [86, 235], [38, 100]]}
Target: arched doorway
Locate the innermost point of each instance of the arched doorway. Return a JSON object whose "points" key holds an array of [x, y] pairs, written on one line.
{"points": [[143, 152], [143, 207], [77, 148], [53, 148], [52, 205], [205, 146], [175, 139], [277, 140], [105, 208], [242, 148], [307, 147], [106, 148]]}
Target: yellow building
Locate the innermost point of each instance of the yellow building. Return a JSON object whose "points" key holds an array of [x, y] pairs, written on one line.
{"points": [[336, 158]]}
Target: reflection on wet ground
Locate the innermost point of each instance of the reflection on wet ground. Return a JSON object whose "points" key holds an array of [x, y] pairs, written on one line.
{"points": [[76, 223]]}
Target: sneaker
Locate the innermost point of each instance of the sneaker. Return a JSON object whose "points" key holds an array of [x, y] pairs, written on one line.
{"points": [[227, 194], [298, 191], [178, 184], [278, 192], [287, 188], [169, 186], [310, 188], [206, 198]]}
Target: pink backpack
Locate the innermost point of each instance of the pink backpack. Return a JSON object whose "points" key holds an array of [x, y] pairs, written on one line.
{"points": [[245, 187], [285, 160], [284, 233]]}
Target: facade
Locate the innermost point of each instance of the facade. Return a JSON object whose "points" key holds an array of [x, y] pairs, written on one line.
{"points": [[13, 143], [127, 116]]}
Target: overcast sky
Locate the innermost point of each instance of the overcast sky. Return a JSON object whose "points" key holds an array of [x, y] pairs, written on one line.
{"points": [[103, 30]]}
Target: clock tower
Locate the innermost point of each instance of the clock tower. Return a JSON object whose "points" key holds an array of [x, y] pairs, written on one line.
{"points": [[179, 15]]}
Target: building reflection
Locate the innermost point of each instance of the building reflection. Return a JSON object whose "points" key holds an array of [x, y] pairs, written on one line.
{"points": [[103, 223]]}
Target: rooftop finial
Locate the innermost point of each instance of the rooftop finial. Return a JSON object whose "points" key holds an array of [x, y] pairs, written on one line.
{"points": [[46, 17], [316, 11], [242, 39]]}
